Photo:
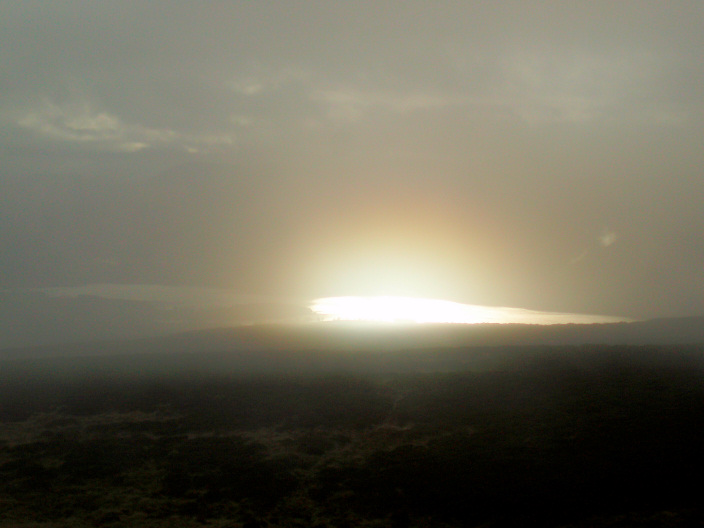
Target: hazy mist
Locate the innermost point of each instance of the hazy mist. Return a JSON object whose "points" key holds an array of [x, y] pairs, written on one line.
{"points": [[543, 156]]}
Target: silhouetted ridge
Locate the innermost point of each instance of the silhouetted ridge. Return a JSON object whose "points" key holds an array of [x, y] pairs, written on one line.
{"points": [[350, 336]]}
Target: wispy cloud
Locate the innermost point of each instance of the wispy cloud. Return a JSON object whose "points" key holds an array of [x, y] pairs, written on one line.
{"points": [[262, 80], [607, 238], [351, 104], [535, 86], [84, 122], [569, 85]]}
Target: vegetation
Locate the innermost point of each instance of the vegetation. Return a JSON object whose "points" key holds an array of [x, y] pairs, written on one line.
{"points": [[588, 436]]}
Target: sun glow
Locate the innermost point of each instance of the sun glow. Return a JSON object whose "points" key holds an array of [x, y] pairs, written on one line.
{"points": [[390, 309]]}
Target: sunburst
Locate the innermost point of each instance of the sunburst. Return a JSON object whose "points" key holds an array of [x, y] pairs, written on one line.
{"points": [[392, 309]]}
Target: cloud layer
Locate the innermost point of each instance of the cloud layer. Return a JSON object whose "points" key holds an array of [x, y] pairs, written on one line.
{"points": [[543, 156]]}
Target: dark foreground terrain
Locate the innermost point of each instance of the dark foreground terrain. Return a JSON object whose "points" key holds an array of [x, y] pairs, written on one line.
{"points": [[553, 436]]}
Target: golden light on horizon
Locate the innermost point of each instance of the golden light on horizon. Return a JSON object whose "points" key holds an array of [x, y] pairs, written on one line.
{"points": [[408, 245], [393, 309], [418, 310]]}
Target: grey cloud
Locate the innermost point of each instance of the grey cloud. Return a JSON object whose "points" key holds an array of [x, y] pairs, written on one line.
{"points": [[166, 68]]}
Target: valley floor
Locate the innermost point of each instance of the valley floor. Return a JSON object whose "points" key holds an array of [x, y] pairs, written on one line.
{"points": [[565, 440]]}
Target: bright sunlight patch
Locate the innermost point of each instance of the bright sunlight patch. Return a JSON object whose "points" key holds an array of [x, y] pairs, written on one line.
{"points": [[391, 309]]}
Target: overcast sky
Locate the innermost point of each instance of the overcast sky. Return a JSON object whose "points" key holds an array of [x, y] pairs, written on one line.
{"points": [[540, 155]]}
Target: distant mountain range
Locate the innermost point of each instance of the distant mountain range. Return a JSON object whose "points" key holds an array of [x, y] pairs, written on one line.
{"points": [[34, 317], [370, 337]]}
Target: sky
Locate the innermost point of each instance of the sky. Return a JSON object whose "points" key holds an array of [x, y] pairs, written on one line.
{"points": [[538, 155]]}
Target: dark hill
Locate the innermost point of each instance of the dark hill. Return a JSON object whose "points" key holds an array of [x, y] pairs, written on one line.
{"points": [[380, 337]]}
